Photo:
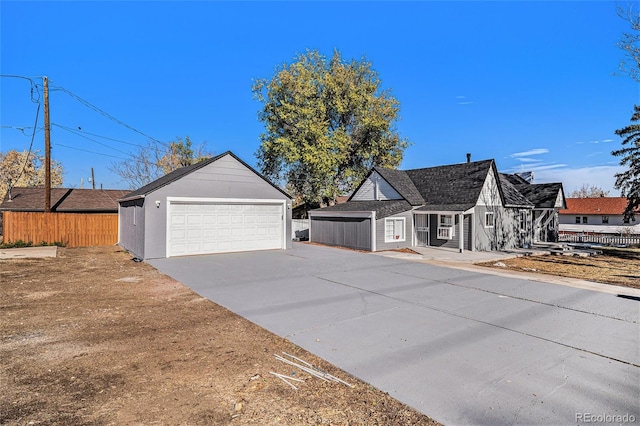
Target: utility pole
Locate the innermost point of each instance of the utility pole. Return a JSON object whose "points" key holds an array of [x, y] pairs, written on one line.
{"points": [[93, 179], [47, 149]]}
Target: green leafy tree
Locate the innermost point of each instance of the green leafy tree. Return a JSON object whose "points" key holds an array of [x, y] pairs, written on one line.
{"points": [[327, 123], [629, 180], [152, 161]]}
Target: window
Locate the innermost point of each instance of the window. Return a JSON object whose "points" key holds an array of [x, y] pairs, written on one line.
{"points": [[446, 230], [523, 222], [394, 229], [489, 219], [605, 219], [584, 219], [577, 219]]}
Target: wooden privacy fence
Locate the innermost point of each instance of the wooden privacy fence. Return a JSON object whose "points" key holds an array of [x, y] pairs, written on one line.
{"points": [[72, 229]]}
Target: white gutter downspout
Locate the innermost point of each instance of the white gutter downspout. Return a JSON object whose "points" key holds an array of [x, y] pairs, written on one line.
{"points": [[461, 229], [373, 231]]}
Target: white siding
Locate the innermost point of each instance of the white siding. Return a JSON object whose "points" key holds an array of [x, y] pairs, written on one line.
{"points": [[490, 195], [367, 191], [559, 201]]}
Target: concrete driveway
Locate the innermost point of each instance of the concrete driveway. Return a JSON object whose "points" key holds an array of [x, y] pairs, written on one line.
{"points": [[460, 346]]}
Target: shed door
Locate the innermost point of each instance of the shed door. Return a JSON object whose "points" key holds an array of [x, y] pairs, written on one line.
{"points": [[205, 228]]}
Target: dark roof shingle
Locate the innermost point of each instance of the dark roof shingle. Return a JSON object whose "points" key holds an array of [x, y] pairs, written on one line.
{"points": [[382, 208], [64, 200], [512, 197], [402, 183], [455, 185]]}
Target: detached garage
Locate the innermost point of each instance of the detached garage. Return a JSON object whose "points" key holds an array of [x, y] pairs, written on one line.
{"points": [[220, 205]]}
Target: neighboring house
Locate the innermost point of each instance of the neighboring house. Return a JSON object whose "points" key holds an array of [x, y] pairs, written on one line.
{"points": [[464, 206], [79, 217], [602, 215], [215, 206], [548, 199]]}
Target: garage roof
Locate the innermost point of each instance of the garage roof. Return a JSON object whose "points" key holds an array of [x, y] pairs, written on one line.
{"points": [[382, 208], [183, 171]]}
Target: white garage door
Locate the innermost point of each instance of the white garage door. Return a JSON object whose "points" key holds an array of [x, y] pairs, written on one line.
{"points": [[204, 228]]}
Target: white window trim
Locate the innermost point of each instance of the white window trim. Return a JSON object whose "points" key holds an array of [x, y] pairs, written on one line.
{"points": [[451, 227], [522, 221], [493, 221], [402, 237]]}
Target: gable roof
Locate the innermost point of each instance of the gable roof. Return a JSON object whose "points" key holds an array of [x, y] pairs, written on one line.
{"points": [[454, 187], [183, 171], [514, 179], [402, 183], [64, 200], [542, 195], [513, 197], [597, 205], [382, 208]]}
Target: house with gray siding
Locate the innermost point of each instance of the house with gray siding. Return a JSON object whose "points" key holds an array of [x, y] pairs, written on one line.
{"points": [[548, 199], [466, 206], [218, 205]]}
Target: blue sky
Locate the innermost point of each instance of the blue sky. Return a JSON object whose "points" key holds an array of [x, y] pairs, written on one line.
{"points": [[530, 84]]}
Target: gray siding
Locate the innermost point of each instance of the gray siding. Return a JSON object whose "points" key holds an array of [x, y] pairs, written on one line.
{"points": [[224, 178], [341, 231], [454, 243], [506, 232], [487, 238], [366, 192], [380, 233], [513, 236], [131, 227]]}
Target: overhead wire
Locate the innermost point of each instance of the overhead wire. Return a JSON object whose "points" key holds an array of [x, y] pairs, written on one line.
{"points": [[106, 114], [91, 152], [98, 136], [75, 132], [34, 85], [35, 124]]}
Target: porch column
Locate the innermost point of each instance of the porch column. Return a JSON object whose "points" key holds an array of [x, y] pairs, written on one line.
{"points": [[461, 232]]}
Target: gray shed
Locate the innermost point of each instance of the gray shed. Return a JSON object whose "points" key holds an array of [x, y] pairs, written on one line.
{"points": [[218, 205]]}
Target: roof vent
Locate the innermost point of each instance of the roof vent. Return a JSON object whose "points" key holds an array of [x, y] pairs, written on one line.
{"points": [[468, 157]]}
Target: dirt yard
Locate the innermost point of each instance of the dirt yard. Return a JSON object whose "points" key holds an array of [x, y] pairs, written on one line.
{"points": [[614, 266], [91, 337]]}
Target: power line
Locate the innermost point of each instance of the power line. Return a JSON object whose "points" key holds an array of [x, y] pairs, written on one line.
{"points": [[91, 152], [28, 156], [34, 85], [106, 114], [70, 130], [99, 136], [20, 128], [34, 99]]}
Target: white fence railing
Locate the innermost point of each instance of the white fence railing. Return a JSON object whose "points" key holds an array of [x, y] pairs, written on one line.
{"points": [[299, 229], [607, 239]]}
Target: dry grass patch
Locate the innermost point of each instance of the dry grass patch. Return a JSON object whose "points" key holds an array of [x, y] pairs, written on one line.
{"points": [[615, 266], [91, 337]]}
